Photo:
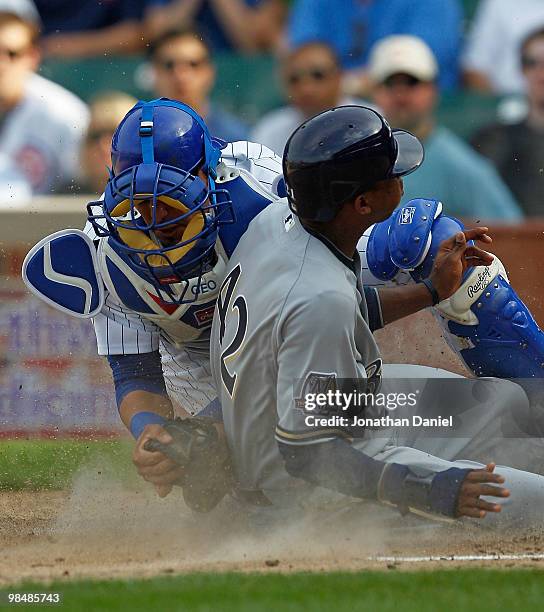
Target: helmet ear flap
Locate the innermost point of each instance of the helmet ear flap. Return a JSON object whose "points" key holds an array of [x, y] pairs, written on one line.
{"points": [[213, 147]]}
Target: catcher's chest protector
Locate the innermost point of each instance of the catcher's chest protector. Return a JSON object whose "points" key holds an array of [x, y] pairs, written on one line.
{"points": [[68, 272], [186, 321], [182, 322]]}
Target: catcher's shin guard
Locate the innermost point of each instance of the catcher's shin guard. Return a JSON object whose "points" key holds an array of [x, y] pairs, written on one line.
{"points": [[485, 322], [496, 335]]}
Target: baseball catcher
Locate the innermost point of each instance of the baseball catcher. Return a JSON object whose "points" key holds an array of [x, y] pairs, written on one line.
{"points": [[147, 270]]}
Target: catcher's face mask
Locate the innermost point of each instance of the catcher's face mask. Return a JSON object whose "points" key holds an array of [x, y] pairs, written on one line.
{"points": [[164, 219]]}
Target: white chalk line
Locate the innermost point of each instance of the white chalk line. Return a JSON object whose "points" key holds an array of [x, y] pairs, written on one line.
{"points": [[495, 557]]}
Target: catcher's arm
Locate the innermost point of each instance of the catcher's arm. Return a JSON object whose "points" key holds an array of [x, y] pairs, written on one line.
{"points": [[145, 413], [144, 407], [190, 452]]}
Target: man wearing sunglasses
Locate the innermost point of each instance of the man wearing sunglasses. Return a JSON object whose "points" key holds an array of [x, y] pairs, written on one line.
{"points": [[183, 70], [42, 124], [405, 73], [107, 110], [517, 149], [311, 78]]}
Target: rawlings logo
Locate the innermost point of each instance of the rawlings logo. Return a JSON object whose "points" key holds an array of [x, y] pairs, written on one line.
{"points": [[406, 215], [483, 280]]}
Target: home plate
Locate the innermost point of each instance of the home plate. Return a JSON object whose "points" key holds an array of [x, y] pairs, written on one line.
{"points": [[495, 557]]}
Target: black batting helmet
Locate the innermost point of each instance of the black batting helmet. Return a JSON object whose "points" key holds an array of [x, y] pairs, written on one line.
{"points": [[340, 153]]}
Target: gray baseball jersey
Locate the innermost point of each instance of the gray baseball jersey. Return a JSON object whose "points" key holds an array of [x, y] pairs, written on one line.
{"points": [[297, 316], [290, 314]]}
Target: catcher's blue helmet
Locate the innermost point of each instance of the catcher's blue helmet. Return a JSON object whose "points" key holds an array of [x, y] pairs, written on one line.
{"points": [[158, 150]]}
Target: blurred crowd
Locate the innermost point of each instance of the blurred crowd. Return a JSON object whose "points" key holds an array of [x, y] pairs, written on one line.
{"points": [[399, 56]]}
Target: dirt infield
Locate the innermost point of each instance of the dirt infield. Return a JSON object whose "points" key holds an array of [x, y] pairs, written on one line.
{"points": [[101, 529], [418, 340]]}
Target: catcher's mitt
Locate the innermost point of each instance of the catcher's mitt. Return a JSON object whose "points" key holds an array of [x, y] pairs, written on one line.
{"points": [[197, 447]]}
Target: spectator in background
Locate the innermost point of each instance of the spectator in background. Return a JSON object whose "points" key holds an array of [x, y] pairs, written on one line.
{"points": [[86, 28], [107, 110], [15, 189], [42, 124], [517, 149], [228, 25], [312, 80], [183, 70], [25, 9], [405, 72], [490, 61], [352, 27]]}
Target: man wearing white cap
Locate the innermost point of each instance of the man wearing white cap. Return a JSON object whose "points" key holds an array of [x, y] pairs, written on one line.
{"points": [[405, 73], [25, 9]]}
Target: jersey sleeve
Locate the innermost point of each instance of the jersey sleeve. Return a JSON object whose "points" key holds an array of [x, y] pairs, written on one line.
{"points": [[257, 159], [120, 331], [316, 353]]}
